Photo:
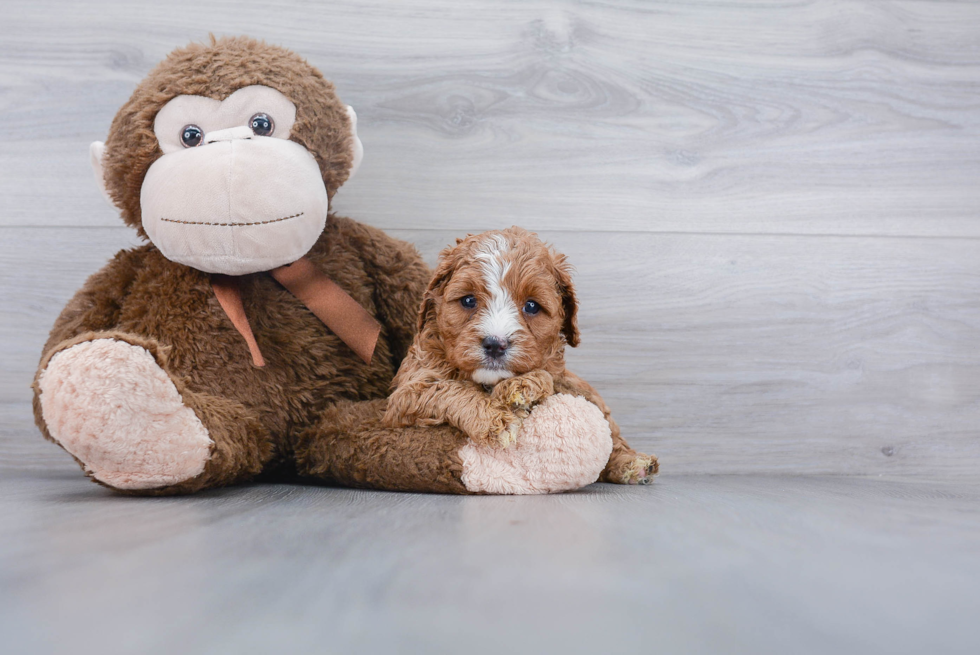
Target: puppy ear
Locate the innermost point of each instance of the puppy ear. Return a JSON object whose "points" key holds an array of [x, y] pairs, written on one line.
{"points": [[444, 272], [569, 303]]}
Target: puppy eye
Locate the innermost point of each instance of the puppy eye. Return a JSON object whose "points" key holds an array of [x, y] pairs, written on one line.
{"points": [[191, 136], [531, 307], [468, 302], [262, 124]]}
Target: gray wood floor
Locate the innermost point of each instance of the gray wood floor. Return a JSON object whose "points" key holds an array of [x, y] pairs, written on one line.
{"points": [[773, 213], [699, 564]]}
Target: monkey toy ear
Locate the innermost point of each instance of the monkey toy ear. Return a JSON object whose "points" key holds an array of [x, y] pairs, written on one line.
{"points": [[357, 147], [96, 153]]}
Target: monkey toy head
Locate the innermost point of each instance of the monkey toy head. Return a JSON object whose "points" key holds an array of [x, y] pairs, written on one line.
{"points": [[227, 154]]}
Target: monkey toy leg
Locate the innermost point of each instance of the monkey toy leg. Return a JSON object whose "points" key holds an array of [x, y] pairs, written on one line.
{"points": [[109, 399], [562, 445]]}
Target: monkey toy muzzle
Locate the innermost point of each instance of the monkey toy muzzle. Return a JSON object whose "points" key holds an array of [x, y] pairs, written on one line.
{"points": [[237, 204]]}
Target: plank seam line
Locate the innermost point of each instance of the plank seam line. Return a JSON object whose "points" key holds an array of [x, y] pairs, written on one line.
{"points": [[565, 231]]}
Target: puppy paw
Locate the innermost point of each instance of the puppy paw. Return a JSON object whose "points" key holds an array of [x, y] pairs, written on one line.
{"points": [[642, 469], [508, 435], [633, 469], [498, 428], [522, 392]]}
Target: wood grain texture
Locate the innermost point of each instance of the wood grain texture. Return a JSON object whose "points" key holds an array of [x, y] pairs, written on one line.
{"points": [[803, 118], [689, 565], [772, 207]]}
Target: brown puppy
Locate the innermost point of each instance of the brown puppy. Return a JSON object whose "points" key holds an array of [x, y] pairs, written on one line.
{"points": [[491, 341]]}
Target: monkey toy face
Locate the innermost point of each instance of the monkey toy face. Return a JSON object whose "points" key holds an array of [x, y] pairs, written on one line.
{"points": [[226, 156]]}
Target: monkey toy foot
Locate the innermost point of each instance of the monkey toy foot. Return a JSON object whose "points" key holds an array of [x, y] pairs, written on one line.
{"points": [[109, 404], [563, 445]]}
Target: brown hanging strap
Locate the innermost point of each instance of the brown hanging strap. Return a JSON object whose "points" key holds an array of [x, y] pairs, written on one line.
{"points": [[229, 294], [332, 305]]}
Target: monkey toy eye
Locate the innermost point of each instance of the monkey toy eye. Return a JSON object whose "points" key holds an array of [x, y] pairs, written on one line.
{"points": [[191, 136], [468, 302], [531, 307], [262, 124]]}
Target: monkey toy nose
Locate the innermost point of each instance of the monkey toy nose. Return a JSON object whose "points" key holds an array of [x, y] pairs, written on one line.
{"points": [[230, 134], [495, 347]]}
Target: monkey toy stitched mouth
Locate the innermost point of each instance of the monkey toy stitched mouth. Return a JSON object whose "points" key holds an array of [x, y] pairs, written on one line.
{"points": [[274, 220]]}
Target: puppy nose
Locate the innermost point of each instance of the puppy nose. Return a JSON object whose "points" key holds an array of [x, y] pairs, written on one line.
{"points": [[495, 347]]}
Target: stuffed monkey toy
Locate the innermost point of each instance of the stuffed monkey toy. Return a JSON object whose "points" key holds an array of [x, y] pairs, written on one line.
{"points": [[257, 331]]}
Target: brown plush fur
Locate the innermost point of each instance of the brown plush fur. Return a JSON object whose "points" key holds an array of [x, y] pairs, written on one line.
{"points": [[350, 445], [434, 385], [252, 414]]}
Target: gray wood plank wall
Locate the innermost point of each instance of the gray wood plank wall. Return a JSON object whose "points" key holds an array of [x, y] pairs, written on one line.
{"points": [[772, 207]]}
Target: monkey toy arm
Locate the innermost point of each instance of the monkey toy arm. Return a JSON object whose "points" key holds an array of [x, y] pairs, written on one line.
{"points": [[563, 445], [97, 305], [399, 276]]}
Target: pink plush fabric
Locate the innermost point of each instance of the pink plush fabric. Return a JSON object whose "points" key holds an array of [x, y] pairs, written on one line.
{"points": [[110, 405], [563, 445]]}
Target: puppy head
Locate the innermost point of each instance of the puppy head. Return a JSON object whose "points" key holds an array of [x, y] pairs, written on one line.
{"points": [[500, 304]]}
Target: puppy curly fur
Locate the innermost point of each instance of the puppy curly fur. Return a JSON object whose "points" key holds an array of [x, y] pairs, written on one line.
{"points": [[507, 286]]}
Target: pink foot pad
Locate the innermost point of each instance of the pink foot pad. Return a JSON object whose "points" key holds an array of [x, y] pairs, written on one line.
{"points": [[563, 445], [110, 405]]}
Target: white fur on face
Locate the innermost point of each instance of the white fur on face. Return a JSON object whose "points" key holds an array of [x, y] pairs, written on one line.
{"points": [[491, 376], [501, 318]]}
